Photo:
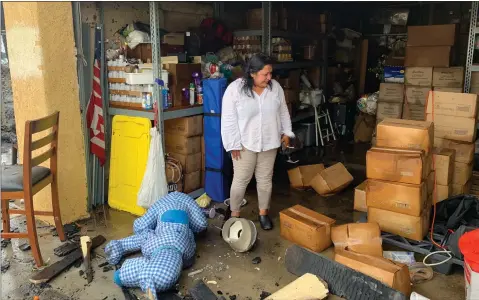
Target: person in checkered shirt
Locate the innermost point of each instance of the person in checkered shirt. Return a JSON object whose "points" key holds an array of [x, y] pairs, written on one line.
{"points": [[165, 237]]}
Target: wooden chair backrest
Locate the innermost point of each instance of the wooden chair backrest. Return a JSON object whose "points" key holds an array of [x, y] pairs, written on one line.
{"points": [[35, 126]]}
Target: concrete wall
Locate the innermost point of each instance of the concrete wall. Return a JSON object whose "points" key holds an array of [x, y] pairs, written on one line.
{"points": [[44, 79]]}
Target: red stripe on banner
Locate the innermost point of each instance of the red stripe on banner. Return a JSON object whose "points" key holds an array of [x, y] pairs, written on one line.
{"points": [[94, 116]]}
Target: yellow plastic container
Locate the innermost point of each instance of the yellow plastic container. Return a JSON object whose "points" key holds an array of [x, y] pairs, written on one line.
{"points": [[130, 144]]}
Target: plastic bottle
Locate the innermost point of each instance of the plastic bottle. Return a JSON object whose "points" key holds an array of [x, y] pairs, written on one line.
{"points": [[199, 94], [192, 93], [164, 97]]}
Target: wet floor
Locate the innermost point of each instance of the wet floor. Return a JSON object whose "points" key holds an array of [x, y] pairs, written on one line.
{"points": [[227, 272]]}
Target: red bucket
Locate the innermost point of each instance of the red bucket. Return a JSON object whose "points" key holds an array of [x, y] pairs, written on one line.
{"points": [[469, 246]]}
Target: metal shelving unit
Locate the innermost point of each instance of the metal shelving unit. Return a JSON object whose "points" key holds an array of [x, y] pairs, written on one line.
{"points": [[473, 30], [167, 115], [267, 33]]}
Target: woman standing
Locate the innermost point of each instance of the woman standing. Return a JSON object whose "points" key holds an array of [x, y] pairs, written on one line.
{"points": [[254, 122]]}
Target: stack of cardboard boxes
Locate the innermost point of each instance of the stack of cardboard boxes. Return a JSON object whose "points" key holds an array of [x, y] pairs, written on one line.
{"points": [[183, 138], [398, 196], [418, 82], [390, 102], [454, 116]]}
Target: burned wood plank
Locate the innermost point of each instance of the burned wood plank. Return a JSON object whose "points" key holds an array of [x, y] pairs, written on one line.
{"points": [[86, 248], [65, 249], [53, 270], [200, 291], [342, 281]]}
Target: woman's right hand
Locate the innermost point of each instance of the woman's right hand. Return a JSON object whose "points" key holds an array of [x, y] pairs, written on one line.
{"points": [[236, 154]]}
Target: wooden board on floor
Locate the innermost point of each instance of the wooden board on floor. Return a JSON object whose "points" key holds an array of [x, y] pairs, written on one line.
{"points": [[200, 291], [342, 281], [53, 270]]}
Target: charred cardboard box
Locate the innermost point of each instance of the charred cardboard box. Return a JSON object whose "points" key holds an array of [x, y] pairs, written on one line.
{"points": [[452, 77], [391, 92], [364, 238], [331, 180], [306, 228], [389, 110], [417, 95]]}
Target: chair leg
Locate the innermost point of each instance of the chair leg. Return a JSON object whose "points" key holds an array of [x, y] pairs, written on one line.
{"points": [[56, 209], [32, 230], [5, 216]]}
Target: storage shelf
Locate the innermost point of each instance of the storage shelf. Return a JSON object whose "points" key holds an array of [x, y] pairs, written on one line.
{"points": [[296, 65], [279, 33], [302, 115], [167, 115], [197, 193]]}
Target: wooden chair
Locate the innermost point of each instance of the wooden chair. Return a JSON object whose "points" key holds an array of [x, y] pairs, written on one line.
{"points": [[24, 181]]}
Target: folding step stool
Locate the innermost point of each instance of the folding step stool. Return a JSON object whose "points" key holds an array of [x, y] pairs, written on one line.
{"points": [[323, 133]]}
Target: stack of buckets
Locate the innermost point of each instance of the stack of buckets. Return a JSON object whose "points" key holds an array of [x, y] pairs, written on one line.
{"points": [[469, 246]]}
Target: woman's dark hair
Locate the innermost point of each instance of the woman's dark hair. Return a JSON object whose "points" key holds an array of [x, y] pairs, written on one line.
{"points": [[256, 63]]}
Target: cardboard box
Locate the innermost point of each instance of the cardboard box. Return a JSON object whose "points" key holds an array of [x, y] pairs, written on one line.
{"points": [[190, 163], [364, 238], [192, 181], [474, 80], [181, 72], [254, 18], [291, 96], [443, 192], [452, 77], [389, 110], [419, 76], [407, 134], [411, 227], [188, 126], [417, 95], [391, 92], [175, 39], [431, 35], [182, 145], [300, 177], [399, 165], [453, 128], [360, 197], [437, 56], [459, 189], [306, 228], [364, 127], [414, 112], [444, 165], [452, 104], [464, 151], [404, 198], [448, 89], [392, 274], [462, 173], [331, 180]]}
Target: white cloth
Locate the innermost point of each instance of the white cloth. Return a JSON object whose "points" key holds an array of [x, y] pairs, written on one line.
{"points": [[255, 123]]}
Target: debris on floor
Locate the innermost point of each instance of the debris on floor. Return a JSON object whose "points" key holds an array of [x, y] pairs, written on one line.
{"points": [[5, 266], [6, 242], [264, 295], [308, 286], [66, 248], [256, 260], [56, 268], [200, 291], [240, 234], [191, 274], [24, 247]]}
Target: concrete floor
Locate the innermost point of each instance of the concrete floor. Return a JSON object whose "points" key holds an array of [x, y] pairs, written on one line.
{"points": [[233, 273]]}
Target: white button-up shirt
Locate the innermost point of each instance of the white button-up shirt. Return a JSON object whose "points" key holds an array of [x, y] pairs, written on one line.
{"points": [[255, 123]]}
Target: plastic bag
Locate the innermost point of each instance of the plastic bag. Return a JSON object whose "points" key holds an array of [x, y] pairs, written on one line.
{"points": [[137, 37], [153, 185]]}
